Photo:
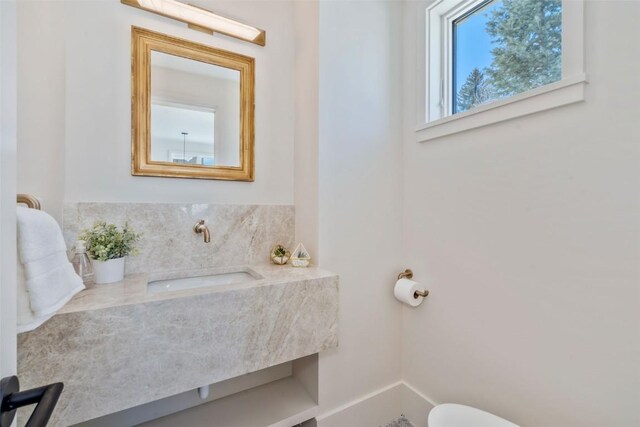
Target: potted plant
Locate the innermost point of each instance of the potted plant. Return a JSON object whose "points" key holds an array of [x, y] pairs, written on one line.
{"points": [[107, 247]]}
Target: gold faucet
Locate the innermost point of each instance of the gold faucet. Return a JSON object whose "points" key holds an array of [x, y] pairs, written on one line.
{"points": [[201, 228]]}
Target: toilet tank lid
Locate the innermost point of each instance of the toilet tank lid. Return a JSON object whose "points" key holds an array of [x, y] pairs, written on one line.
{"points": [[455, 415]]}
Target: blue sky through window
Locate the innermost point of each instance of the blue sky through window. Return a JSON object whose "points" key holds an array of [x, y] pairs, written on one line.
{"points": [[473, 44]]}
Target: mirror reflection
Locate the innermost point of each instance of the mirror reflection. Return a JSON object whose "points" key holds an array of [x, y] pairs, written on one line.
{"points": [[192, 109], [195, 112]]}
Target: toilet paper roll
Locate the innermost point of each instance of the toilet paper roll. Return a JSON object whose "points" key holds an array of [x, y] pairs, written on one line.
{"points": [[404, 292]]}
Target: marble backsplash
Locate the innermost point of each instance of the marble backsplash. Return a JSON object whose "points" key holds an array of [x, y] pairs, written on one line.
{"points": [[240, 234]]}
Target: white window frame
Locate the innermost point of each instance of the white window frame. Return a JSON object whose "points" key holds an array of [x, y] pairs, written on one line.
{"points": [[435, 82]]}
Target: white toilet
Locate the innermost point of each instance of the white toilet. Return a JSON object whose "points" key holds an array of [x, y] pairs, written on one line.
{"points": [[454, 415]]}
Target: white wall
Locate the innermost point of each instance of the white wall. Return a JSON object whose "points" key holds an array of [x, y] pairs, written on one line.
{"points": [[8, 131], [306, 20], [41, 107], [95, 42], [360, 147], [528, 234]]}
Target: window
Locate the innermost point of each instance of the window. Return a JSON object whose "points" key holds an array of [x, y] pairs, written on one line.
{"points": [[488, 54], [503, 48]]}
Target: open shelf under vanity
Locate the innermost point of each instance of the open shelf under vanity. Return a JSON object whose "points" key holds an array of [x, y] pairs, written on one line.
{"points": [[279, 396]]}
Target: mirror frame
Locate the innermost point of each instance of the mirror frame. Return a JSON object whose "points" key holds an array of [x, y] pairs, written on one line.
{"points": [[142, 43]]}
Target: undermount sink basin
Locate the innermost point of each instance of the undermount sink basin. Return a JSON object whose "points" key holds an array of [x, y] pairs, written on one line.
{"points": [[182, 283]]}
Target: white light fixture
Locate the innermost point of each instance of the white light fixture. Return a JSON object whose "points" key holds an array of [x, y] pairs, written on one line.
{"points": [[201, 19]]}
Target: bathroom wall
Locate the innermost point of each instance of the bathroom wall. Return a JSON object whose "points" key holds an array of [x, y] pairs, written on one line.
{"points": [[41, 102], [360, 203], [527, 233], [306, 123], [8, 131], [75, 96]]}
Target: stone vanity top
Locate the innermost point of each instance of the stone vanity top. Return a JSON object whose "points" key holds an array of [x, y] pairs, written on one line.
{"points": [[133, 289], [116, 346]]}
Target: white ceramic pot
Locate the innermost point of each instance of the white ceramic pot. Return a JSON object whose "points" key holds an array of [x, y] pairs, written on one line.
{"points": [[108, 271]]}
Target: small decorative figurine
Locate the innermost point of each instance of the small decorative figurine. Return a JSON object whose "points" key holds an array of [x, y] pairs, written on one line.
{"points": [[280, 255], [300, 257]]}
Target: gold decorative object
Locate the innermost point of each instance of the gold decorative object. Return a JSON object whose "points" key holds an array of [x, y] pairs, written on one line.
{"points": [[201, 19], [300, 257], [280, 255], [143, 44]]}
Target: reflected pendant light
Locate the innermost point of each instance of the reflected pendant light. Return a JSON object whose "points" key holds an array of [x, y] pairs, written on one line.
{"points": [[184, 146]]}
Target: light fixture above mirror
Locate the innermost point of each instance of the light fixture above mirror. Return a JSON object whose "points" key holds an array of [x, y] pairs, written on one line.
{"points": [[201, 19]]}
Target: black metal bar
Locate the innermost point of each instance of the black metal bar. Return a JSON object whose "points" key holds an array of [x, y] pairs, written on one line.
{"points": [[44, 409], [8, 385], [45, 398]]}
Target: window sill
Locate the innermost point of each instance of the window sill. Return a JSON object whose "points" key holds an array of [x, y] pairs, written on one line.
{"points": [[563, 92]]}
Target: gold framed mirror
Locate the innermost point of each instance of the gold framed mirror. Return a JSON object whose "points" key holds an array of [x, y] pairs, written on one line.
{"points": [[192, 109]]}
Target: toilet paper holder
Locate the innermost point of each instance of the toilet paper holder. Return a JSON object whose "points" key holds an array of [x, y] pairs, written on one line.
{"points": [[408, 274]]}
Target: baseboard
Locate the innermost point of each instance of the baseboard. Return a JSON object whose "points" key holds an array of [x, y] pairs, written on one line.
{"points": [[415, 405], [380, 407], [373, 409]]}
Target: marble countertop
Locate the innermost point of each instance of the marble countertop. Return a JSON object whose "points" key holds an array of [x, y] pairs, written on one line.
{"points": [[116, 346], [133, 289]]}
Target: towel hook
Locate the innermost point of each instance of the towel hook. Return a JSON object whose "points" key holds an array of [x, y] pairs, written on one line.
{"points": [[29, 200]]}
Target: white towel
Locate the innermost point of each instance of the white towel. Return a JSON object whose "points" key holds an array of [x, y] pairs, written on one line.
{"points": [[27, 320], [49, 278]]}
